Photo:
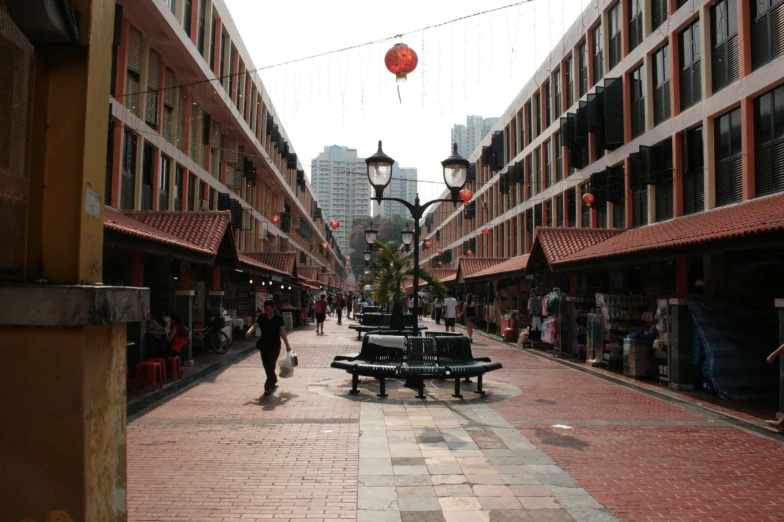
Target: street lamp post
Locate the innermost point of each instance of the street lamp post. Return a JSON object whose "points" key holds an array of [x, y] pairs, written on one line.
{"points": [[379, 172]]}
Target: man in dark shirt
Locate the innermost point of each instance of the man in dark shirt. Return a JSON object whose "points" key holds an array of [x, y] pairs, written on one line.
{"points": [[272, 330]]}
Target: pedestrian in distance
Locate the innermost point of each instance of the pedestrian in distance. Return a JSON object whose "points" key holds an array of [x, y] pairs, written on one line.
{"points": [[450, 311], [270, 323], [320, 311], [469, 312], [438, 304], [349, 304], [339, 302], [777, 424], [330, 305]]}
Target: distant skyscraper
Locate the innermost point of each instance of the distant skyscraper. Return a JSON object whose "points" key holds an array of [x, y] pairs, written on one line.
{"points": [[403, 185], [339, 181], [469, 136]]}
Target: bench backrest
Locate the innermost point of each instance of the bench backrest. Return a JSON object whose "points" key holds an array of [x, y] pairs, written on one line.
{"points": [[369, 309], [388, 355], [368, 350], [448, 349], [421, 350], [465, 349], [372, 319], [386, 320]]}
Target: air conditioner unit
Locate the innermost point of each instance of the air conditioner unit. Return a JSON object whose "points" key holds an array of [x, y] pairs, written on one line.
{"points": [[205, 205]]}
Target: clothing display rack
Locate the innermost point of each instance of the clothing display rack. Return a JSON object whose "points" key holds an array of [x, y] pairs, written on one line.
{"points": [[574, 332], [661, 346], [551, 310], [621, 315]]}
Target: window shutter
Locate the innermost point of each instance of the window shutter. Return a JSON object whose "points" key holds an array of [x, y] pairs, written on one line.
{"points": [[134, 50], [153, 84], [571, 204], [586, 210], [769, 169], [658, 13], [559, 211], [729, 181], [613, 113]]}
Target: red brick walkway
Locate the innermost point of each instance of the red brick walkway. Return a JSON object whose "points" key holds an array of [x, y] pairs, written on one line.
{"points": [[219, 452]]}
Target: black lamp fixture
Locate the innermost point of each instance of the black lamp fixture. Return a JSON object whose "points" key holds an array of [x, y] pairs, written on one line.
{"points": [[371, 234], [407, 238], [366, 256], [379, 171], [455, 172]]}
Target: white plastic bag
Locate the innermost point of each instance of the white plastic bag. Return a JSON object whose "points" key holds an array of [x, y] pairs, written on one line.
{"points": [[286, 366]]}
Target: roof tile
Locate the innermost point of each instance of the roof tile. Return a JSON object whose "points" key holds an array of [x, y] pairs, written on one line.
{"points": [[515, 264], [285, 262], [559, 243], [744, 219]]}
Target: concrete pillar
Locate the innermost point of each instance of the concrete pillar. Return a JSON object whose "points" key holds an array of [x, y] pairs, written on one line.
{"points": [[677, 174], [705, 53], [747, 146], [646, 19], [779, 303], [681, 346], [651, 204], [624, 28], [565, 199], [117, 155], [709, 158], [63, 448], [589, 61], [578, 221], [744, 38], [217, 43], [627, 174], [194, 30]]}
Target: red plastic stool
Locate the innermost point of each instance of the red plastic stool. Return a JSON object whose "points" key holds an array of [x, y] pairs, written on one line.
{"points": [[161, 360], [176, 370], [149, 372]]}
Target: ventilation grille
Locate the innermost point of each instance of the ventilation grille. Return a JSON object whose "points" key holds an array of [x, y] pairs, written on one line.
{"points": [[767, 37], [691, 86], [658, 13], [635, 32], [638, 118], [661, 104], [664, 200], [769, 169], [729, 181]]}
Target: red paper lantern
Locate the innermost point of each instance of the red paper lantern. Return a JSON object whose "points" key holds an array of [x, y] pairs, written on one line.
{"points": [[324, 246], [275, 219], [334, 224], [400, 61], [470, 253], [485, 231], [588, 198], [440, 251], [348, 258], [428, 244], [465, 195], [380, 250], [307, 254], [265, 240]]}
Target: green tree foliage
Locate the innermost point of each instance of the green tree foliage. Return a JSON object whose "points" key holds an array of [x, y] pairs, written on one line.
{"points": [[388, 232], [392, 274]]}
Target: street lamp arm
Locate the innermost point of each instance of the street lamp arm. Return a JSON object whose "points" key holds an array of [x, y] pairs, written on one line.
{"points": [[417, 210]]}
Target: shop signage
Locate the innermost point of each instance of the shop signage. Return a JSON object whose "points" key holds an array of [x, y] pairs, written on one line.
{"points": [[288, 321]]}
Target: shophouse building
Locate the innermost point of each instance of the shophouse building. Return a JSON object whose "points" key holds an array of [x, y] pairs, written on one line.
{"points": [[659, 121]]}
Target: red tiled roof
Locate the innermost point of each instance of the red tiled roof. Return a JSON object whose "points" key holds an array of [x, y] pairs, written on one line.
{"points": [[200, 232], [441, 273], [250, 261], [467, 266], [753, 217], [323, 279], [449, 278], [559, 243], [308, 272], [508, 267], [285, 262]]}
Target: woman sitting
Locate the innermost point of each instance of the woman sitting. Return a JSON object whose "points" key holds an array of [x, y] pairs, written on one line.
{"points": [[176, 338]]}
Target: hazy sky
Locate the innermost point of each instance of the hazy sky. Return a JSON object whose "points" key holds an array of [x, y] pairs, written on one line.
{"points": [[475, 66]]}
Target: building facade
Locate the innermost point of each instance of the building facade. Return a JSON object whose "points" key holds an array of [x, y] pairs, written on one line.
{"points": [[339, 181], [403, 185], [658, 108], [192, 128], [469, 136]]}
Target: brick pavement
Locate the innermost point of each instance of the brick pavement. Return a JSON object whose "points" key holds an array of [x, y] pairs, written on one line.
{"points": [[220, 452]]}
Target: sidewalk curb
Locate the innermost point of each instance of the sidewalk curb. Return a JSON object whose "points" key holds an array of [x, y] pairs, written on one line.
{"points": [[138, 407], [730, 419]]}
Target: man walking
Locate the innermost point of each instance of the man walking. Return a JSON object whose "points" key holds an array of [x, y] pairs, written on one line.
{"points": [[339, 302], [438, 304], [320, 310], [450, 310]]}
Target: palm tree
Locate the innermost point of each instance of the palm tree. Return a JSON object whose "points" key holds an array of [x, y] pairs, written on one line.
{"points": [[392, 272]]}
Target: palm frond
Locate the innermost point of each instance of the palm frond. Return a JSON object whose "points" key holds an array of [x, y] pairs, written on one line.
{"points": [[432, 280]]}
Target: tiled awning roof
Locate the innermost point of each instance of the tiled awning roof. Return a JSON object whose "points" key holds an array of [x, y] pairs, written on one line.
{"points": [[515, 265], [285, 262], [200, 232], [249, 261], [751, 218], [308, 272], [560, 243], [467, 266]]}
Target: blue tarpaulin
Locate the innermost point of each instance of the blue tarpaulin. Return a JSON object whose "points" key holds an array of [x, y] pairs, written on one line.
{"points": [[736, 342]]}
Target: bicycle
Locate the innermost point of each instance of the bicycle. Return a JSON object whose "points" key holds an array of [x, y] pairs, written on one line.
{"points": [[212, 336]]}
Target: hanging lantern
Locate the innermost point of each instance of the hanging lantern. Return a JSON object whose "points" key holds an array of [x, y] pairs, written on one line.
{"points": [[324, 246], [400, 61], [470, 253], [348, 258], [265, 240], [588, 198], [440, 251], [465, 195], [428, 244], [334, 224], [275, 219], [485, 231], [380, 250], [307, 254]]}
